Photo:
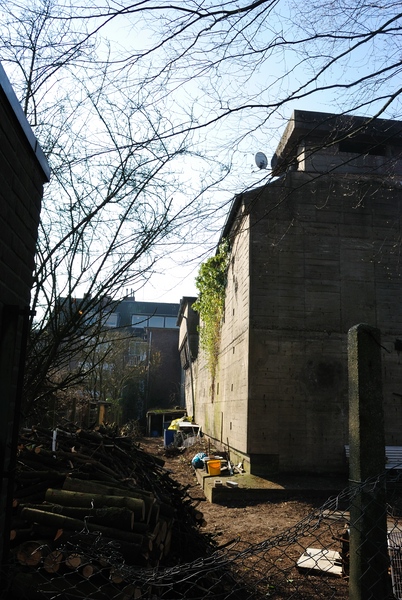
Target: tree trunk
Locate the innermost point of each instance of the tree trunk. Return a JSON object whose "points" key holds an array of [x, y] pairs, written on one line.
{"points": [[85, 500], [93, 487], [109, 516], [63, 522], [53, 561], [31, 553]]}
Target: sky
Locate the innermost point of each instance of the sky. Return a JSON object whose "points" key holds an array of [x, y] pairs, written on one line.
{"points": [[172, 281], [174, 275], [235, 141]]}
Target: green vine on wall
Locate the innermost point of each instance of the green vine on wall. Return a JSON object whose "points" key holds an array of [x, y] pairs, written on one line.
{"points": [[211, 285]]}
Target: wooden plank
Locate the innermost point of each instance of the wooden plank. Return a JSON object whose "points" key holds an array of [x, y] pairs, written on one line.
{"points": [[321, 559]]}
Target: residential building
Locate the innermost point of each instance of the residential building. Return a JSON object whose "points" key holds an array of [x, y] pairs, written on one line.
{"points": [[145, 360], [156, 323]]}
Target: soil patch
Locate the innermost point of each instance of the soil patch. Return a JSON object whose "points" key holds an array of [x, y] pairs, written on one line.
{"points": [[252, 523]]}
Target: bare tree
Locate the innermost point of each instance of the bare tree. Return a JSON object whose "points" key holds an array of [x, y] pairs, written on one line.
{"points": [[250, 60], [237, 68], [115, 202], [119, 364], [120, 122], [232, 73]]}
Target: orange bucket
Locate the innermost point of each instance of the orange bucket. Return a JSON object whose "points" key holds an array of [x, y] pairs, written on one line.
{"points": [[214, 467]]}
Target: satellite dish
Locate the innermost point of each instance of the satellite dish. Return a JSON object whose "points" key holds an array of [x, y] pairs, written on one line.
{"points": [[261, 160]]}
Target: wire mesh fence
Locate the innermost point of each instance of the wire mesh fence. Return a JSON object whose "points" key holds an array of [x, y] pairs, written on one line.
{"points": [[309, 560]]}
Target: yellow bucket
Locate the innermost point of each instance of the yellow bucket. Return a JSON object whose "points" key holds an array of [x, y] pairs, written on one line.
{"points": [[214, 467]]}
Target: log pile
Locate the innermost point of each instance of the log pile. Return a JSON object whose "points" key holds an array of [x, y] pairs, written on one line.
{"points": [[92, 504]]}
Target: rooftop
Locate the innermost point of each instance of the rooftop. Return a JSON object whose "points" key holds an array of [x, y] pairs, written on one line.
{"points": [[6, 88], [360, 136]]}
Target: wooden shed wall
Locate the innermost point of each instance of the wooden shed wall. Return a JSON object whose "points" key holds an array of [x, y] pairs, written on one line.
{"points": [[22, 177]]}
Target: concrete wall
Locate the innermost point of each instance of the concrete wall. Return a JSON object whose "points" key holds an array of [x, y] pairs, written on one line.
{"points": [[324, 257], [314, 253], [310, 259], [222, 404], [188, 322]]}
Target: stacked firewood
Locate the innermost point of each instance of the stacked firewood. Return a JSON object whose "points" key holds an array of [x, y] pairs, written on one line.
{"points": [[88, 500]]}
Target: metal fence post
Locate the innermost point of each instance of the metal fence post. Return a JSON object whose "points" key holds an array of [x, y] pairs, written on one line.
{"points": [[369, 562]]}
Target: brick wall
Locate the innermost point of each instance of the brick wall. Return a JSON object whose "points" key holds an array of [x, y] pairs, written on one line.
{"points": [[165, 375]]}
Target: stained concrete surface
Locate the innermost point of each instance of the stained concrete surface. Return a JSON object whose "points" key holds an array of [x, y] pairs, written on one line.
{"points": [[250, 487]]}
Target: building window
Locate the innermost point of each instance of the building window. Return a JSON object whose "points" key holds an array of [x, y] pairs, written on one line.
{"points": [[171, 322], [153, 321], [356, 147], [156, 322], [136, 352], [112, 320], [139, 320]]}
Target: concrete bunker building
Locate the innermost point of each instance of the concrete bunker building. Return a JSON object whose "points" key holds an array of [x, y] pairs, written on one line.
{"points": [[313, 253]]}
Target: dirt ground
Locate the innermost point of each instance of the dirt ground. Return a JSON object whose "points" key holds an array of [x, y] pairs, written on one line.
{"points": [[253, 523], [241, 526]]}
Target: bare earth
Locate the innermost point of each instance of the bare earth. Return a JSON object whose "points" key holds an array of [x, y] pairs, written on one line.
{"points": [[272, 571], [254, 522]]}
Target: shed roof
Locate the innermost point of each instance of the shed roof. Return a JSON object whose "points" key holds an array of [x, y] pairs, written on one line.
{"points": [[12, 99]]}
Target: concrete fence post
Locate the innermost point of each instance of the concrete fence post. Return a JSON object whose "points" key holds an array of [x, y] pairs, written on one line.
{"points": [[369, 562]]}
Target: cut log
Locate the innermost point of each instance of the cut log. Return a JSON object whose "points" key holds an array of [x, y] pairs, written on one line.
{"points": [[53, 561], [37, 490], [20, 535], [73, 484], [32, 586], [154, 514], [80, 458], [109, 516], [61, 521], [167, 510], [89, 570], [163, 529], [167, 543], [35, 532], [74, 561], [90, 436], [48, 475], [116, 576], [198, 516], [31, 553], [42, 459], [67, 498], [151, 460]]}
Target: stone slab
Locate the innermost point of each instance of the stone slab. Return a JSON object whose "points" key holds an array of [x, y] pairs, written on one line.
{"points": [[250, 487]]}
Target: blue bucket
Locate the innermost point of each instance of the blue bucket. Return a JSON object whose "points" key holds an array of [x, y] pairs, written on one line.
{"points": [[168, 436]]}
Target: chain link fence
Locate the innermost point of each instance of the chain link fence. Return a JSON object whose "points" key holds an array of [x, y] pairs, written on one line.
{"points": [[309, 560]]}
